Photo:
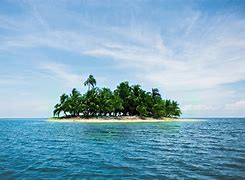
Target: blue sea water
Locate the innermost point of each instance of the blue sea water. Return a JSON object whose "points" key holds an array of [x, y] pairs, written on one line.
{"points": [[36, 148]]}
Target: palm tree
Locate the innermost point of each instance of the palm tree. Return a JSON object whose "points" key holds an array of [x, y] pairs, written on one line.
{"points": [[91, 102], [158, 109], [117, 104], [155, 93], [175, 110], [142, 110], [124, 92], [57, 110], [74, 102], [125, 100], [91, 81], [168, 108], [148, 102], [105, 101], [62, 106], [136, 100], [64, 103]]}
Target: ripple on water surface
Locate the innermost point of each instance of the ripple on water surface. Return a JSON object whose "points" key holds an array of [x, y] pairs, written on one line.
{"points": [[36, 148]]}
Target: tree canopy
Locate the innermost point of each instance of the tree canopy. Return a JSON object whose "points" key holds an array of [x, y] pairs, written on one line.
{"points": [[125, 100]]}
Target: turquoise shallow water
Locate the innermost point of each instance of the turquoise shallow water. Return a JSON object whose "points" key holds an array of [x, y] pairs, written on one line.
{"points": [[36, 148]]}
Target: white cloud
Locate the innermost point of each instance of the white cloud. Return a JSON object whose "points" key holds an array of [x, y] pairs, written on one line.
{"points": [[12, 80], [201, 53], [199, 107], [25, 108], [236, 106], [206, 61], [61, 72]]}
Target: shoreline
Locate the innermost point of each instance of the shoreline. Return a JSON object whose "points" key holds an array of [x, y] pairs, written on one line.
{"points": [[125, 119]]}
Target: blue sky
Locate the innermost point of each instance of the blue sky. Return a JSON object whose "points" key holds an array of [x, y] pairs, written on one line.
{"points": [[193, 51]]}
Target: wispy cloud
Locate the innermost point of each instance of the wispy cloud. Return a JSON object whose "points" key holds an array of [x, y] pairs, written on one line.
{"points": [[12, 80], [203, 62], [236, 106], [61, 72], [188, 53], [199, 107], [25, 108]]}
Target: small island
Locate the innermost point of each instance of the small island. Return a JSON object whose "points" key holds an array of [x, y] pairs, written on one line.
{"points": [[125, 103]]}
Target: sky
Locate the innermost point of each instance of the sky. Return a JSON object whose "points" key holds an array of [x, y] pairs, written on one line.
{"points": [[193, 51]]}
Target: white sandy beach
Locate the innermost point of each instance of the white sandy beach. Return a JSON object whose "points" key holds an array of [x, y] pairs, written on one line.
{"points": [[127, 119]]}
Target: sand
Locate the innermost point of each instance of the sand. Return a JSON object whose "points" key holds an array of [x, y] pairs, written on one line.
{"points": [[125, 119]]}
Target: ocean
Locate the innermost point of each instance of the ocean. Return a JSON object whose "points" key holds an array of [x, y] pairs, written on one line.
{"points": [[39, 149]]}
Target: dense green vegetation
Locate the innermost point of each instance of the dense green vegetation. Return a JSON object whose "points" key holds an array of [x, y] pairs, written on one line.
{"points": [[125, 100]]}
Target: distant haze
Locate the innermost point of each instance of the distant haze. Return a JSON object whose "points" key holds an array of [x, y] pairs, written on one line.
{"points": [[193, 51]]}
